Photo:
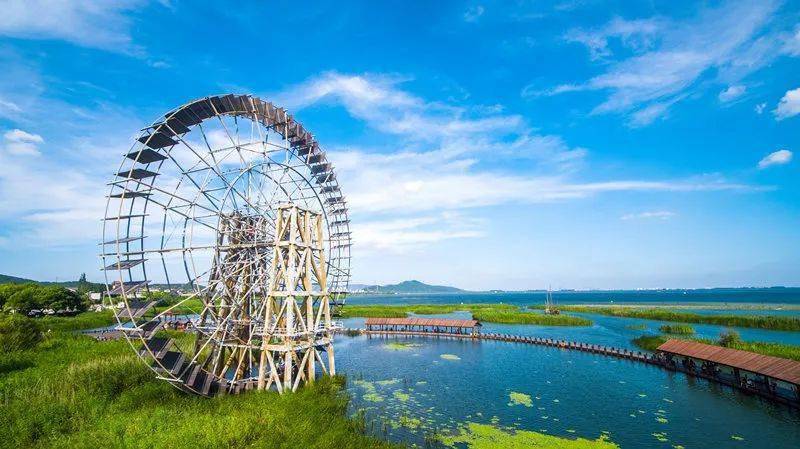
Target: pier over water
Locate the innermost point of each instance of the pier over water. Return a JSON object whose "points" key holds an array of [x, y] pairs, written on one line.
{"points": [[749, 372]]}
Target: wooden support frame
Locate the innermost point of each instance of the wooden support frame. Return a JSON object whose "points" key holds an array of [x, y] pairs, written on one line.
{"points": [[297, 316]]}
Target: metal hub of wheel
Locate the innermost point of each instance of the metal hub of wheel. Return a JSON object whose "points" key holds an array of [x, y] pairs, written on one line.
{"points": [[232, 203]]}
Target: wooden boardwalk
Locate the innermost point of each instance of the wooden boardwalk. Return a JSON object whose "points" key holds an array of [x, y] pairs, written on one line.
{"points": [[639, 356], [564, 344]]}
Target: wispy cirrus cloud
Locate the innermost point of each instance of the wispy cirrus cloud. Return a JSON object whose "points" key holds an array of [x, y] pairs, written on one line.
{"points": [[102, 24], [396, 189], [639, 35], [473, 13], [649, 215], [731, 93], [20, 143], [380, 102], [780, 157], [667, 58], [407, 234]]}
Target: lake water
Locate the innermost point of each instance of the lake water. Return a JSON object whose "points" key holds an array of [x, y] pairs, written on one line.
{"points": [[749, 296], [411, 390]]}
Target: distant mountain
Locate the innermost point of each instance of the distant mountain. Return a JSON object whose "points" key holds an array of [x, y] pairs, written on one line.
{"points": [[6, 279], [80, 283], [404, 287]]}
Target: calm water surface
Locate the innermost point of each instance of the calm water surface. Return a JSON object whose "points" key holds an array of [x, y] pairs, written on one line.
{"points": [[572, 394], [408, 392]]}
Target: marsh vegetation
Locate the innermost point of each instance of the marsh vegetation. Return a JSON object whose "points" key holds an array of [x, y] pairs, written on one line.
{"points": [[489, 313], [784, 323]]}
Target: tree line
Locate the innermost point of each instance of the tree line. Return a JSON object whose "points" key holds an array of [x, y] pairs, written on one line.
{"points": [[24, 298]]}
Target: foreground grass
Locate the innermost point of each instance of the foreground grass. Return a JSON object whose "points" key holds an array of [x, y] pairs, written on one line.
{"points": [[784, 323], [74, 392], [651, 342], [85, 320], [490, 313]]}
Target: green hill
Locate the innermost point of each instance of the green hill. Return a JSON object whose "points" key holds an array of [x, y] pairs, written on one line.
{"points": [[408, 287], [81, 283], [6, 279]]}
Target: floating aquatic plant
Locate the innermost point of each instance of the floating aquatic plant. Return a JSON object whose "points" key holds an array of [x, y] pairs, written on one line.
{"points": [[520, 399], [486, 436], [450, 357], [400, 396], [401, 346]]}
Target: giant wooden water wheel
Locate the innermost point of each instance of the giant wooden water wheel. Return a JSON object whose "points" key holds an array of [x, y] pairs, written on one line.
{"points": [[232, 204]]}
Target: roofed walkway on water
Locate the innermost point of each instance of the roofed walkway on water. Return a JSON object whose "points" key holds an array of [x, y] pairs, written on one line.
{"points": [[771, 377]]}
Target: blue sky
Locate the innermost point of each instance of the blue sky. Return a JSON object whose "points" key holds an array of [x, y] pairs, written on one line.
{"points": [[578, 144]]}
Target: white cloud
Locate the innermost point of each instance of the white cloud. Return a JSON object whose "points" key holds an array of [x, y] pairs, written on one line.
{"points": [[473, 13], [412, 183], [779, 157], [651, 215], [732, 93], [437, 161], [8, 107], [789, 105], [675, 55], [408, 234], [637, 35], [791, 45], [382, 104], [759, 108], [88, 23], [649, 114], [20, 143]]}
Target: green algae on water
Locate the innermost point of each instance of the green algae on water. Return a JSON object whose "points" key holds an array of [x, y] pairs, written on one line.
{"points": [[517, 398], [450, 357], [387, 382], [400, 396], [370, 394], [486, 436], [401, 346], [410, 423], [372, 397]]}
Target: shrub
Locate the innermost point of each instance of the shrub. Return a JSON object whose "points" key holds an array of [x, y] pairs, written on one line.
{"points": [[23, 298], [18, 333], [684, 329], [649, 342], [729, 338]]}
